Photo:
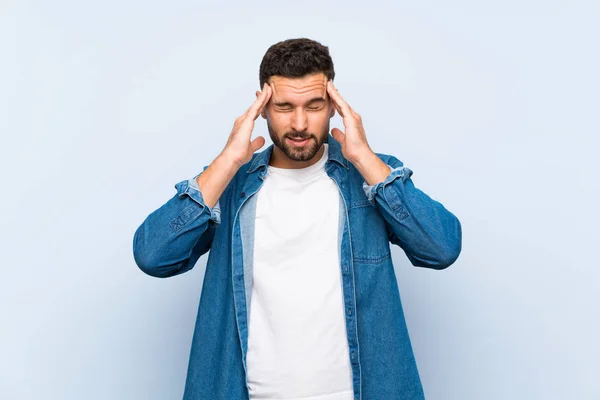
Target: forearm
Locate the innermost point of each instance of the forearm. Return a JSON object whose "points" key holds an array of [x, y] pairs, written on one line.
{"points": [[215, 178], [371, 167]]}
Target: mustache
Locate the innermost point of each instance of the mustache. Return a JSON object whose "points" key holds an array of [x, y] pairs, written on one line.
{"points": [[297, 135]]}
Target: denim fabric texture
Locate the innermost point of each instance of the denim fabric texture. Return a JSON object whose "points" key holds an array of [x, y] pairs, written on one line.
{"points": [[172, 239]]}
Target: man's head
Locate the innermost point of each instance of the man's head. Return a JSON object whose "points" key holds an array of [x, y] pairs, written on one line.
{"points": [[299, 108]]}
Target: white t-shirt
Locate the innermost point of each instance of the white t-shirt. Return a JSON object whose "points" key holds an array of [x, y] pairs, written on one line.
{"points": [[297, 343]]}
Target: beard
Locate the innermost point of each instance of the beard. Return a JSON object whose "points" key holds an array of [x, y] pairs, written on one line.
{"points": [[297, 153]]}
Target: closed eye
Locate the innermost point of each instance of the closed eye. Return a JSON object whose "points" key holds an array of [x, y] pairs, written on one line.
{"points": [[308, 108]]}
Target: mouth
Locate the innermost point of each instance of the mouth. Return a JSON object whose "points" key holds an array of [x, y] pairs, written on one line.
{"points": [[298, 141]]}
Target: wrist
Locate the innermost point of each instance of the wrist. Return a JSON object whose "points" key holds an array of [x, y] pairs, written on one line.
{"points": [[372, 169], [364, 159], [228, 161]]}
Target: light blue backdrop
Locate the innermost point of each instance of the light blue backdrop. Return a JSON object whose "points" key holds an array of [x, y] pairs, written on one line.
{"points": [[104, 106]]}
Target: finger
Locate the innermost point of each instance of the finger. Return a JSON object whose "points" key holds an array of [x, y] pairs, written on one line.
{"points": [[269, 93], [258, 105], [245, 122], [257, 102], [337, 107], [257, 143], [338, 135], [341, 105], [335, 104], [338, 98]]}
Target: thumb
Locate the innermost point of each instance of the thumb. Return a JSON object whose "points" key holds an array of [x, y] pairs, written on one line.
{"points": [[338, 135], [257, 143]]}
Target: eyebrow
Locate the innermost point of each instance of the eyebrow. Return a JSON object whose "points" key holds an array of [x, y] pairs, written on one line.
{"points": [[288, 104]]}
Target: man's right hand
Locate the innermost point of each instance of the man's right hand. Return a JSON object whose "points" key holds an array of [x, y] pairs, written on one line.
{"points": [[237, 152], [239, 148]]}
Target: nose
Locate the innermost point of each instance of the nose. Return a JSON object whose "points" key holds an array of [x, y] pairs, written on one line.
{"points": [[300, 120]]}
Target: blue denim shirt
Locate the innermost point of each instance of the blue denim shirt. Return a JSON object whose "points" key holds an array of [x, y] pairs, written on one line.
{"points": [[172, 238]]}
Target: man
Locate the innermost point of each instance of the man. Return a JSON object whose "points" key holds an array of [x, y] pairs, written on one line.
{"points": [[300, 300]]}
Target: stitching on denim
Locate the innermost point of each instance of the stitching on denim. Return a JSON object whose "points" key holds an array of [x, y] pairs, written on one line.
{"points": [[184, 218], [395, 203], [373, 260], [361, 204]]}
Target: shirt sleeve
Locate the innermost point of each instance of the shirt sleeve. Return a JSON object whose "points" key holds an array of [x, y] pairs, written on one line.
{"points": [[429, 234], [401, 172], [193, 190]]}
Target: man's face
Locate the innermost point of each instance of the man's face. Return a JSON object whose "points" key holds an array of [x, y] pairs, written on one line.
{"points": [[297, 117]]}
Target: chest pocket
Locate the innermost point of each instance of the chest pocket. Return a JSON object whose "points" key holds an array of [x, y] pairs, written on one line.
{"points": [[370, 243]]}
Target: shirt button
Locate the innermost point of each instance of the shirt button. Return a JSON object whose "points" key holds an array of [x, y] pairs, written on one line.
{"points": [[242, 194], [346, 268], [349, 310]]}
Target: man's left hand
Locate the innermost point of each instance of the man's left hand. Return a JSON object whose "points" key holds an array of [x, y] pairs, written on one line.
{"points": [[354, 141]]}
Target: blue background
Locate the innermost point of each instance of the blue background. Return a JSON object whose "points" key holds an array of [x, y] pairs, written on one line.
{"points": [[104, 106]]}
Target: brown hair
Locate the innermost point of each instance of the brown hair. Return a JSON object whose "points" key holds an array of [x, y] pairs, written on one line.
{"points": [[295, 58]]}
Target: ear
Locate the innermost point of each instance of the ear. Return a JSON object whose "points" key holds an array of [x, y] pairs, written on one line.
{"points": [[262, 113]]}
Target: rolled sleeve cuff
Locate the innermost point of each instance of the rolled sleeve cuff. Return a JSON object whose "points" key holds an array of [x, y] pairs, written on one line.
{"points": [[401, 172], [190, 188]]}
